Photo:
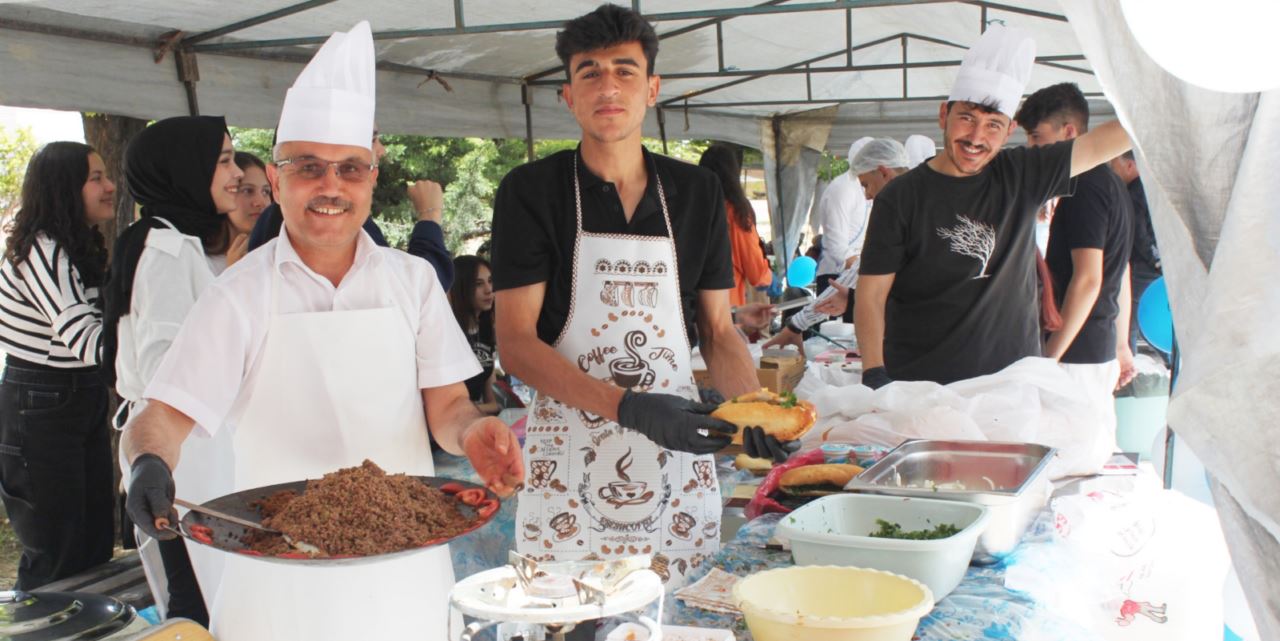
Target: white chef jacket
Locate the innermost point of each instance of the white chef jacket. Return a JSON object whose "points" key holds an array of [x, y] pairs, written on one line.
{"points": [[213, 357], [842, 215], [171, 274]]}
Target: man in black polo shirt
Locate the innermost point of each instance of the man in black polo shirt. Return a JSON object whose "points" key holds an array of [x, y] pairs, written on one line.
{"points": [[947, 286], [1090, 235], [609, 263], [1144, 258]]}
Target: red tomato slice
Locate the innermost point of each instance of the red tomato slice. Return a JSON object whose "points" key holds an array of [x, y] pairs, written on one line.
{"points": [[451, 488], [472, 496], [202, 533], [487, 508]]}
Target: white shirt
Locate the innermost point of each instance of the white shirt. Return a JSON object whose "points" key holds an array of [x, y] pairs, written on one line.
{"points": [[842, 214], [213, 359], [172, 273]]}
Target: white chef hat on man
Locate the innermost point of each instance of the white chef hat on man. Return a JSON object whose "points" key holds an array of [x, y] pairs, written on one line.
{"points": [[332, 100], [919, 149], [995, 71], [881, 152]]}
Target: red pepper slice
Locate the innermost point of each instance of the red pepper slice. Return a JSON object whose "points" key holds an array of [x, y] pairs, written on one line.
{"points": [[451, 488], [487, 508], [471, 496]]}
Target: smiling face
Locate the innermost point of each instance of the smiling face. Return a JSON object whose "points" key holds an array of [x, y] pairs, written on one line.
{"points": [[254, 196], [226, 178], [98, 193], [326, 212], [609, 91], [971, 138]]}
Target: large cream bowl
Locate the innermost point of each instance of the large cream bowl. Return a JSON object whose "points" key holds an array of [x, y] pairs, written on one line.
{"points": [[829, 603]]}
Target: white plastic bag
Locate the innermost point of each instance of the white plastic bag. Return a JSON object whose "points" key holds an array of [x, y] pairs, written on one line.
{"points": [[1032, 400]]}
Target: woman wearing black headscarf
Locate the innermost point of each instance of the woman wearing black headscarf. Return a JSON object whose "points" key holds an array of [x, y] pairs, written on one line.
{"points": [[182, 172]]}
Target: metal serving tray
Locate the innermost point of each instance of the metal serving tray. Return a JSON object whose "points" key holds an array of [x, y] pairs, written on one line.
{"points": [[1008, 478]]}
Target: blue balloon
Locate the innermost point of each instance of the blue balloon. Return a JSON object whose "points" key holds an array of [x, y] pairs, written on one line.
{"points": [[801, 271], [1155, 320]]}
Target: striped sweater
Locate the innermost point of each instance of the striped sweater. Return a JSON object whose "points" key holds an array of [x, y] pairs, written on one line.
{"points": [[46, 314]]}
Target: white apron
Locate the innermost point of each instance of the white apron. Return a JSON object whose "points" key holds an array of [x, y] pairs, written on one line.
{"points": [[332, 389], [593, 488]]}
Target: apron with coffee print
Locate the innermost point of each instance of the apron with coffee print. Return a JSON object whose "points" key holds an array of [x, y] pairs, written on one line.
{"points": [[594, 489]]}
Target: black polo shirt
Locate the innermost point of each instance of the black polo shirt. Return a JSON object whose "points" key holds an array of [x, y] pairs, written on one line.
{"points": [[534, 228]]}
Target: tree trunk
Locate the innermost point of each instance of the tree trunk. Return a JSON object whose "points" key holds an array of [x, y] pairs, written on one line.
{"points": [[110, 136]]}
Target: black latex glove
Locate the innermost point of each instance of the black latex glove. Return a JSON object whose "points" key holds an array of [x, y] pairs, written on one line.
{"points": [[150, 496], [674, 422], [876, 377], [758, 444]]}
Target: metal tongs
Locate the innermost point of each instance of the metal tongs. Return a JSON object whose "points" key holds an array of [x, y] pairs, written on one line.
{"points": [[301, 546]]}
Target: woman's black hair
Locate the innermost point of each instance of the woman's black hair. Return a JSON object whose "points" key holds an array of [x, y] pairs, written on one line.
{"points": [[245, 160], [462, 294], [723, 161], [53, 203], [608, 26]]}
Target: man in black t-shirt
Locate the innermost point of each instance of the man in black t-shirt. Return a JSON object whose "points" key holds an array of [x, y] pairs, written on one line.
{"points": [[615, 189], [1088, 255], [1144, 258], [947, 287]]}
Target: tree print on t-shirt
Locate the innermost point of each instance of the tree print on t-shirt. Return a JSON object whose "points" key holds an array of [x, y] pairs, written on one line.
{"points": [[973, 239]]}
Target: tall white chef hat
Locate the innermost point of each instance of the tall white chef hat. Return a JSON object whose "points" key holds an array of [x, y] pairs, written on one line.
{"points": [[881, 152], [919, 149], [996, 70], [857, 144], [332, 100]]}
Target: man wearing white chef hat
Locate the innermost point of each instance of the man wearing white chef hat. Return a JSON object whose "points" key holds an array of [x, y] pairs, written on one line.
{"points": [[318, 351], [947, 289]]}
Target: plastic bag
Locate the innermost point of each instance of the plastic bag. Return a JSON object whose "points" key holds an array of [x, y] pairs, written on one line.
{"points": [[1144, 564], [1031, 401]]}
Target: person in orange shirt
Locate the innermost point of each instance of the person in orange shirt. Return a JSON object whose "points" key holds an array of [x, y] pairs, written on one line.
{"points": [[749, 263]]}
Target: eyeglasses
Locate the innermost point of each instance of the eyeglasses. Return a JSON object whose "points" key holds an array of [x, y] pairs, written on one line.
{"points": [[312, 168]]}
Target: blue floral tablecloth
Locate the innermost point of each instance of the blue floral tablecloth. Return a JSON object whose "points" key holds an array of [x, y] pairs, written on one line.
{"points": [[980, 608]]}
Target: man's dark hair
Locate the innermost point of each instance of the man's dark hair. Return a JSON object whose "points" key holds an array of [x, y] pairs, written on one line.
{"points": [[1059, 104], [609, 25], [987, 106]]}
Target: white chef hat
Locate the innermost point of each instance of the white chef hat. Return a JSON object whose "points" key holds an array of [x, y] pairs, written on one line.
{"points": [[332, 100], [857, 144], [919, 149], [881, 152], [996, 69]]}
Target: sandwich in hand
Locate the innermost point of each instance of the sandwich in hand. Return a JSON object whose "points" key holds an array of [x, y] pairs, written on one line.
{"points": [[817, 480], [782, 416]]}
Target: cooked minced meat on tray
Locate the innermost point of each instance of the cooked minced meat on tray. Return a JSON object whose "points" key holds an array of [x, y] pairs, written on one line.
{"points": [[358, 511]]}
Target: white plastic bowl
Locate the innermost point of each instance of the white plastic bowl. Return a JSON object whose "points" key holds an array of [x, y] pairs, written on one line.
{"points": [[836, 329], [835, 530], [829, 603]]}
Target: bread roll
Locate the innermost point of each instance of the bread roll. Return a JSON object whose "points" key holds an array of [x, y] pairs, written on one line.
{"points": [[768, 410]]}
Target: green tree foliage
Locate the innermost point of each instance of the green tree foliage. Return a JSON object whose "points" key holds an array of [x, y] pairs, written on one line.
{"points": [[16, 148]]}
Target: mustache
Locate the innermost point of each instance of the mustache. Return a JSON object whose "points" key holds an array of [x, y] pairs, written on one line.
{"points": [[327, 202], [973, 144]]}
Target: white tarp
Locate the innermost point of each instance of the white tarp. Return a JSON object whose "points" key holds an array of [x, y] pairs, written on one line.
{"points": [[1208, 162], [96, 55]]}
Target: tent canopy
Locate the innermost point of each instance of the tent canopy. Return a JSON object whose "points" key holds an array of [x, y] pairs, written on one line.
{"points": [[468, 67]]}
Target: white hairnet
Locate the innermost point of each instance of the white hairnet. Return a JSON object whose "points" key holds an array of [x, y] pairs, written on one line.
{"points": [[857, 144], [881, 152], [919, 149]]}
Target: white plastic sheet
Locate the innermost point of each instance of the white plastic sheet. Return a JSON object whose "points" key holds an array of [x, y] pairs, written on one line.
{"points": [[1032, 400]]}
